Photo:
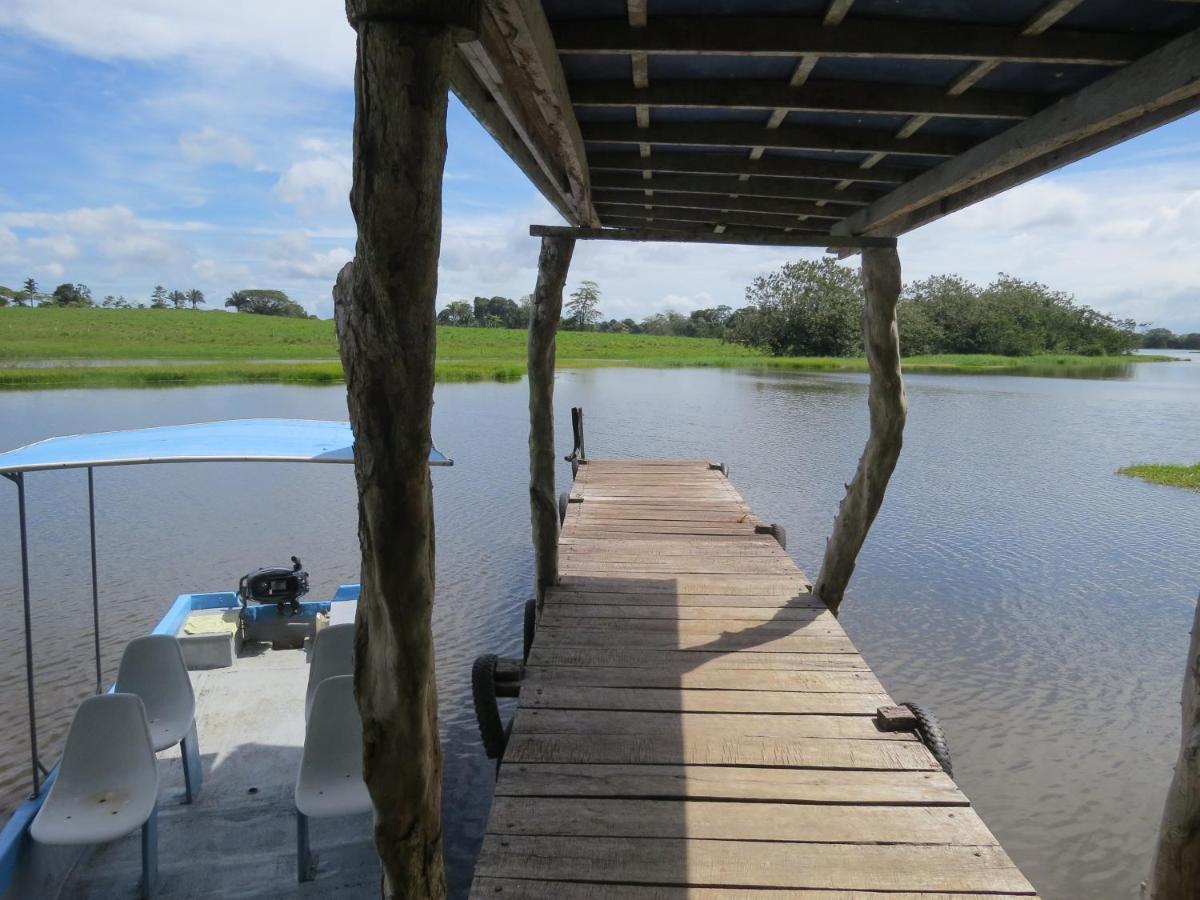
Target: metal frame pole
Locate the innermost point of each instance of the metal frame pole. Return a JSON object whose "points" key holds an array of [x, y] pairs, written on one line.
{"points": [[19, 479], [95, 580]]}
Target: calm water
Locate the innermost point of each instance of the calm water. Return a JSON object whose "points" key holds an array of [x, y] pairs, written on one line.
{"points": [[1038, 602]]}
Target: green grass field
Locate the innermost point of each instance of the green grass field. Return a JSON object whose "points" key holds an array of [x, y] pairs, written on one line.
{"points": [[1166, 473], [161, 347]]}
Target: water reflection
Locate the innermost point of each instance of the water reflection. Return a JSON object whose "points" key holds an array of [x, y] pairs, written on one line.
{"points": [[1038, 602]]}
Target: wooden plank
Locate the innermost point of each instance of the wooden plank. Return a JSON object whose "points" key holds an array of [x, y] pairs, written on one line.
{"points": [[615, 630], [792, 137], [672, 614], [540, 677], [616, 200], [583, 817], [780, 172], [730, 783], [812, 96], [671, 700], [651, 212], [1117, 107], [731, 750], [794, 36], [687, 584], [488, 888], [754, 863], [751, 641], [721, 565], [685, 601], [676, 662], [682, 727], [741, 238]]}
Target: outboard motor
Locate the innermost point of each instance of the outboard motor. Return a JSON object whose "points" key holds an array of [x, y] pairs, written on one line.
{"points": [[275, 584]]}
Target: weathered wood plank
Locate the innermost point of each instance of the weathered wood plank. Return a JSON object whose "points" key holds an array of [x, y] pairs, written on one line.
{"points": [[820, 786], [721, 565], [707, 820], [748, 616], [634, 582], [748, 641], [673, 678], [648, 602], [488, 888], [671, 700], [615, 628], [733, 750], [754, 863], [679, 661], [765, 172], [682, 727]]}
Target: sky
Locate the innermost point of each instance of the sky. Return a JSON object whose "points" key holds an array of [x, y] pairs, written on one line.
{"points": [[207, 145]]}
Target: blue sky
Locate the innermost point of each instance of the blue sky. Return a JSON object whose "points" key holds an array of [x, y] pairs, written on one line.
{"points": [[208, 146]]}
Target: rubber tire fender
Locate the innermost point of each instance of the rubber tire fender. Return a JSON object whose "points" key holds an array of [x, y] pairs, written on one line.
{"points": [[530, 627], [487, 710], [929, 730]]}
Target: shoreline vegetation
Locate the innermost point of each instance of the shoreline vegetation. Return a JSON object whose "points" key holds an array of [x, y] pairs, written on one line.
{"points": [[72, 348], [1172, 474]]}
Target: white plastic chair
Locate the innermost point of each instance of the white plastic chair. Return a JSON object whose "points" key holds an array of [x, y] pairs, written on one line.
{"points": [[153, 668], [107, 782], [330, 782], [332, 655]]}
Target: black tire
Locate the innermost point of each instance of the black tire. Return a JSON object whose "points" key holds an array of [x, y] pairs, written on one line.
{"points": [[780, 534], [929, 730], [530, 626], [487, 710], [563, 499]]}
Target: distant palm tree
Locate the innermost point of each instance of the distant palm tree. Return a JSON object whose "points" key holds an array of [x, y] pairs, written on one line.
{"points": [[178, 299], [195, 297]]}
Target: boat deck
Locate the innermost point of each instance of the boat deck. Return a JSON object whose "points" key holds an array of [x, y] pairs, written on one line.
{"points": [[693, 724], [238, 840]]}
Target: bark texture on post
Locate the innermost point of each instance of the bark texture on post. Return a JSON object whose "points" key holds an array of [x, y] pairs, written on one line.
{"points": [[384, 304], [1176, 871], [889, 406], [553, 262]]}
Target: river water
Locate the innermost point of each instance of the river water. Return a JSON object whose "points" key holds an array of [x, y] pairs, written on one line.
{"points": [[1038, 602]]}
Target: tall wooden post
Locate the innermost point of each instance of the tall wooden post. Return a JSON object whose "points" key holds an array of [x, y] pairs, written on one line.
{"points": [[1176, 871], [384, 304], [888, 406], [553, 262]]}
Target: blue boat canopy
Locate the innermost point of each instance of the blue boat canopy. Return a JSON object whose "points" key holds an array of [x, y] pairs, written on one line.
{"points": [[238, 440]]}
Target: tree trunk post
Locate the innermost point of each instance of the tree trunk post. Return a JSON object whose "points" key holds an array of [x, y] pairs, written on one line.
{"points": [[888, 406], [1176, 871], [384, 307], [553, 262]]}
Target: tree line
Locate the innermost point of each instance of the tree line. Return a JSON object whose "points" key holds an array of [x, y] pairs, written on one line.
{"points": [[79, 296], [813, 308], [1166, 339]]}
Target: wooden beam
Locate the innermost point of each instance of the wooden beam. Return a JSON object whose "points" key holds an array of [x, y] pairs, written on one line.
{"points": [[1126, 103], [835, 96], [837, 11], [719, 134], [711, 216], [888, 407], [719, 185], [514, 58], [773, 204], [730, 164], [861, 38], [544, 315], [748, 237]]}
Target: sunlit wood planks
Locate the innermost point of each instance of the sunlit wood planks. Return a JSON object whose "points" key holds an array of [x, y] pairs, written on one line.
{"points": [[692, 723]]}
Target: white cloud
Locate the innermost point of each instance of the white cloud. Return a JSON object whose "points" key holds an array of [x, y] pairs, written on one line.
{"points": [[292, 255], [211, 146], [309, 37], [317, 185]]}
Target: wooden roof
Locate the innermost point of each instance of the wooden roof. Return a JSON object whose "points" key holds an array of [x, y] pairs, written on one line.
{"points": [[806, 118]]}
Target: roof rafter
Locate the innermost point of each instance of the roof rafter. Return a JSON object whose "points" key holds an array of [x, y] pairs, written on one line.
{"points": [[864, 97], [893, 39], [730, 164], [794, 137], [728, 187], [733, 203]]}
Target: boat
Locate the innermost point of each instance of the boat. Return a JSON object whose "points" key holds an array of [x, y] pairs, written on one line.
{"points": [[226, 820]]}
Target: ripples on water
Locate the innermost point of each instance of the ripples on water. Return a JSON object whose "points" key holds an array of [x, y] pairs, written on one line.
{"points": [[1038, 602]]}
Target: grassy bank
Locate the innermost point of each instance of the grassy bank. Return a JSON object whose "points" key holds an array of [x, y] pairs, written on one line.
{"points": [[1166, 473], [164, 347]]}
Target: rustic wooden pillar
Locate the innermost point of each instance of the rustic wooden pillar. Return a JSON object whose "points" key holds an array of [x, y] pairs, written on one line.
{"points": [[1176, 871], [553, 262], [384, 306], [888, 405]]}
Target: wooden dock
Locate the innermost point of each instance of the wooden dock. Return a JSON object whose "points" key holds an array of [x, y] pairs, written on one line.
{"points": [[693, 724]]}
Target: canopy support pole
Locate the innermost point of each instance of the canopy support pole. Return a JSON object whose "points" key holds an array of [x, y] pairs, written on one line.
{"points": [[544, 315], [385, 314], [18, 479], [889, 406], [95, 579]]}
